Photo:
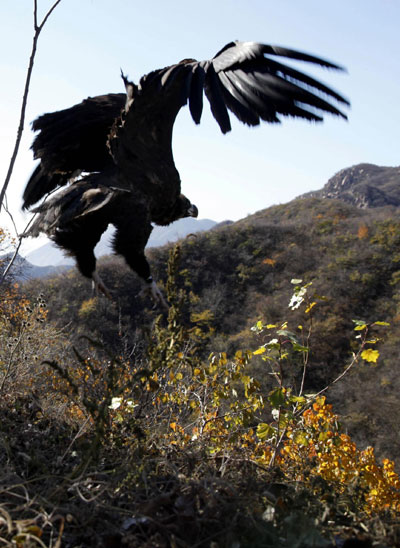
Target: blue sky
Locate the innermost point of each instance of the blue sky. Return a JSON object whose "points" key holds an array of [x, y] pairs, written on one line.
{"points": [[86, 42]]}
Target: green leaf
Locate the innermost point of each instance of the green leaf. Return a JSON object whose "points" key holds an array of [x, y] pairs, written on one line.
{"points": [[285, 417], [299, 348], [289, 334], [265, 431], [273, 344], [277, 397], [360, 324], [300, 438], [297, 399]]}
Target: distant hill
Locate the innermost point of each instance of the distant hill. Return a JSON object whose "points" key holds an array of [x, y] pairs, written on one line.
{"points": [[363, 185], [23, 270], [49, 254]]}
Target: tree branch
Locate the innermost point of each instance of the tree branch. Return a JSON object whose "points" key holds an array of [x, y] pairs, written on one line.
{"points": [[38, 29]]}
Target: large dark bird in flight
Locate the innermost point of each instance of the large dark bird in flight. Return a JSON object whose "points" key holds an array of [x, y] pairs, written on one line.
{"points": [[115, 150]]}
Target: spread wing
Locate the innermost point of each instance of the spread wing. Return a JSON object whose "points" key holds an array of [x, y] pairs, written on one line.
{"points": [[245, 78], [249, 80], [71, 141]]}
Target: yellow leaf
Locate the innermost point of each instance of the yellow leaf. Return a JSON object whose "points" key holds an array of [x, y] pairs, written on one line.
{"points": [[196, 371], [310, 306], [360, 327], [173, 426], [370, 355], [34, 530], [260, 350], [269, 261], [362, 231]]}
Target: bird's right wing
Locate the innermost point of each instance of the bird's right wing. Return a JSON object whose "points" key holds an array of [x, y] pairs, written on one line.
{"points": [[71, 141], [89, 196]]}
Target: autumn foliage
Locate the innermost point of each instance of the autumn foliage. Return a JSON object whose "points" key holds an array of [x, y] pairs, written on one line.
{"points": [[178, 438]]}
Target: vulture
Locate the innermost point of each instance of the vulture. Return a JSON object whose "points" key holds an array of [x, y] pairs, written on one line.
{"points": [[113, 153]]}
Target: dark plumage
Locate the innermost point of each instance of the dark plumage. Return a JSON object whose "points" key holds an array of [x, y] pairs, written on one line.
{"points": [[123, 142]]}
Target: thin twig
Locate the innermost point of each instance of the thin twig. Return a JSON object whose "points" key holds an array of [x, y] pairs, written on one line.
{"points": [[20, 236], [37, 29]]}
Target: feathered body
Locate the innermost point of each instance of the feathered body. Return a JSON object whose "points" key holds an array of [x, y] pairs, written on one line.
{"points": [[124, 142]]}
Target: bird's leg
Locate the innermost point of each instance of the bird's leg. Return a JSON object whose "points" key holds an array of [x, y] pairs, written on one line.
{"points": [[131, 236], [79, 239], [153, 290], [99, 285]]}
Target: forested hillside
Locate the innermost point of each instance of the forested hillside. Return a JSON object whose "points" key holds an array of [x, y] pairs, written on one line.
{"points": [[210, 425], [239, 274]]}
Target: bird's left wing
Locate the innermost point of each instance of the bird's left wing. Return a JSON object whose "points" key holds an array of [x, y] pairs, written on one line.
{"points": [[248, 79], [245, 78]]}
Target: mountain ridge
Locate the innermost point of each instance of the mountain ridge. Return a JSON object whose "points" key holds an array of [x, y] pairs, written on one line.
{"points": [[363, 185]]}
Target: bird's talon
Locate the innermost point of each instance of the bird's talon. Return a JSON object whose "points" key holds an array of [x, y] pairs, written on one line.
{"points": [[155, 294], [99, 285]]}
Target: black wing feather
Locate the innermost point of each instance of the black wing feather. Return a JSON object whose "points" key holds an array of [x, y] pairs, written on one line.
{"points": [[291, 74], [282, 94], [264, 106], [236, 101], [196, 92], [214, 93], [255, 86]]}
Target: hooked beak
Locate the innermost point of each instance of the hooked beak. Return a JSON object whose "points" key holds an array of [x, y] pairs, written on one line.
{"points": [[192, 211]]}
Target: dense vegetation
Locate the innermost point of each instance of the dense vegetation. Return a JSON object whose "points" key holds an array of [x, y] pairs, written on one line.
{"points": [[239, 274], [212, 425]]}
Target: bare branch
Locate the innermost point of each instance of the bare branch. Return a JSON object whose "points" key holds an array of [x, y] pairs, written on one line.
{"points": [[38, 29], [53, 7], [35, 25]]}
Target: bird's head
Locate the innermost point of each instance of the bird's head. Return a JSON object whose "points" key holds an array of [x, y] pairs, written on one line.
{"points": [[184, 208], [181, 208]]}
